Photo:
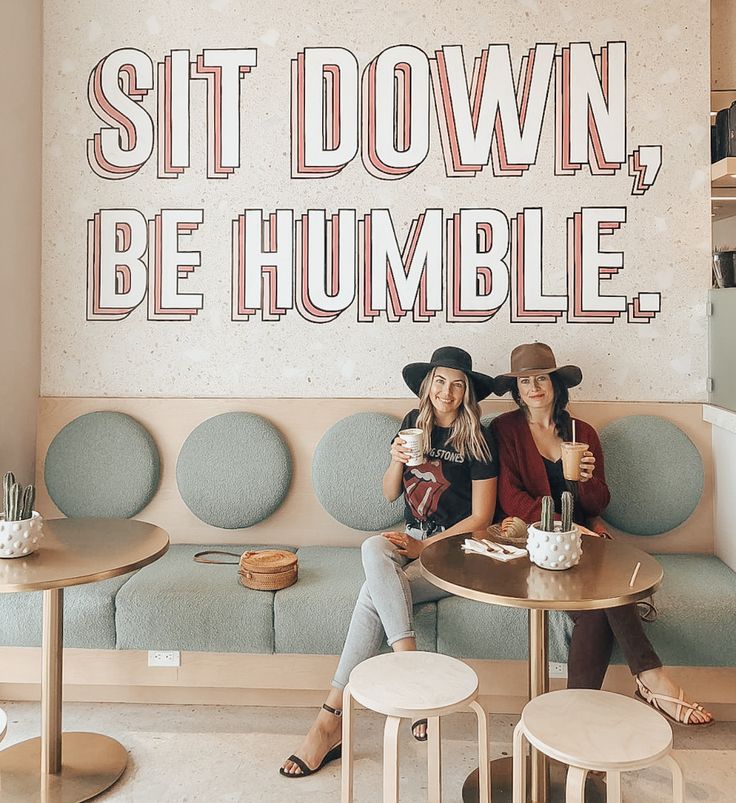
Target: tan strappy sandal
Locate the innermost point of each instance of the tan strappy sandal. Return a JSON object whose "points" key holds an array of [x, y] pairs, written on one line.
{"points": [[683, 709]]}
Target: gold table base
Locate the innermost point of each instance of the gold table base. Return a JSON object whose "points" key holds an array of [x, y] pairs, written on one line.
{"points": [[90, 763], [501, 784]]}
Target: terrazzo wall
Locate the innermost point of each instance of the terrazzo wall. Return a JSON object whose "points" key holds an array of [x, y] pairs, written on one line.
{"points": [[20, 226], [269, 199]]}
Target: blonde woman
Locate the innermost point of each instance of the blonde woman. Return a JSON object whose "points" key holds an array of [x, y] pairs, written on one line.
{"points": [[452, 491]]}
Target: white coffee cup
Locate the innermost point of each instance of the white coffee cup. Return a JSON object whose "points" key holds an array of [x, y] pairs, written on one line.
{"points": [[413, 442]]}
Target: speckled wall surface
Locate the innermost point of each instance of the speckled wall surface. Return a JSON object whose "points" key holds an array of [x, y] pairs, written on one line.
{"points": [[665, 238]]}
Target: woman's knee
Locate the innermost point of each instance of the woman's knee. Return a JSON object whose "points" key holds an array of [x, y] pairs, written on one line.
{"points": [[375, 549]]}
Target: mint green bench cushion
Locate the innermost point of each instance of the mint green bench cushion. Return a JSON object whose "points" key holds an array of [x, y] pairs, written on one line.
{"points": [[102, 464], [177, 604], [694, 627], [233, 470], [347, 471], [312, 616], [696, 622], [655, 474], [469, 629], [89, 616]]}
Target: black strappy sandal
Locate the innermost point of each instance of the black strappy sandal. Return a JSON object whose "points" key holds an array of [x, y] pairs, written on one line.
{"points": [[416, 724], [332, 754]]}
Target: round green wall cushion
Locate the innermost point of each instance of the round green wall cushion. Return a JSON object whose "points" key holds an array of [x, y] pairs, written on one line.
{"points": [[233, 470], [348, 467], [102, 464], [655, 474], [487, 419]]}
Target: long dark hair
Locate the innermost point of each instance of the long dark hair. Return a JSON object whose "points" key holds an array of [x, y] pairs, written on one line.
{"points": [[560, 416]]}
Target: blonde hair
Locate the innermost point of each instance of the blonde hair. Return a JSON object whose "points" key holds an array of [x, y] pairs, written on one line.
{"points": [[466, 437]]}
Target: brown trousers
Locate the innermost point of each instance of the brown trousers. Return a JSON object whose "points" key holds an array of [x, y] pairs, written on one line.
{"points": [[592, 644]]}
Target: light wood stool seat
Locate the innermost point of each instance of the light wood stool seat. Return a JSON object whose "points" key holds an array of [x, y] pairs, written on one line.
{"points": [[594, 730], [412, 685]]}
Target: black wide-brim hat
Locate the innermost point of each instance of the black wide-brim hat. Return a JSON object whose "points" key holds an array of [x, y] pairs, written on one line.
{"points": [[531, 359], [449, 357]]}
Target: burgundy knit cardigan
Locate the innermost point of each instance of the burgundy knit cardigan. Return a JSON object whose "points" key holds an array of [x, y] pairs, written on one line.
{"points": [[522, 479]]}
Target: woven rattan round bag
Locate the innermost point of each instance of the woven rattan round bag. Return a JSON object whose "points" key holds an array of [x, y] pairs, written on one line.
{"points": [[263, 570], [268, 570]]}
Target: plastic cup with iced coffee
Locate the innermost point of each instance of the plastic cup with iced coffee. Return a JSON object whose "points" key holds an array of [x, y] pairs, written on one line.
{"points": [[572, 454]]}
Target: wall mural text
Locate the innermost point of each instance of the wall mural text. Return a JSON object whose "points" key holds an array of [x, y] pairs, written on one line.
{"points": [[464, 264]]}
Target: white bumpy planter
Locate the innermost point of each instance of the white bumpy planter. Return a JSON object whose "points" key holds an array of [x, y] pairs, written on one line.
{"points": [[555, 550], [20, 538]]}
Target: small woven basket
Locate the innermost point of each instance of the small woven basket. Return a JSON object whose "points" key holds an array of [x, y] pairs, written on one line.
{"points": [[268, 570], [515, 535]]}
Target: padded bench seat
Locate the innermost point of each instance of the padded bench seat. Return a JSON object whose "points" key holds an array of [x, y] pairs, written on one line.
{"points": [[176, 604], [696, 606], [89, 616], [469, 629], [313, 615]]}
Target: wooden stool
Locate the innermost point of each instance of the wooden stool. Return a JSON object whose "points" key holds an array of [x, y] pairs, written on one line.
{"points": [[412, 685], [594, 730], [3, 724]]}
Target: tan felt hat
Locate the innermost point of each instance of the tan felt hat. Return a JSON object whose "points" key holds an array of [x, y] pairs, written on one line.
{"points": [[530, 359]]}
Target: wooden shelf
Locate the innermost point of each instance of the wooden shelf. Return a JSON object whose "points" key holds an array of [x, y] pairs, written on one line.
{"points": [[723, 186], [723, 173], [722, 210], [721, 99]]}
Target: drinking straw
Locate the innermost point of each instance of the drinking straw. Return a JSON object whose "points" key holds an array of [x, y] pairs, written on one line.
{"points": [[573, 430], [633, 574]]}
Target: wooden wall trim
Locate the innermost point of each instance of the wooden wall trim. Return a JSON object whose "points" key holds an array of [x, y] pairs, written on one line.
{"points": [[287, 680]]}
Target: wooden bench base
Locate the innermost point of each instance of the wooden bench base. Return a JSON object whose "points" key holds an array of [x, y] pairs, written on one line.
{"points": [[287, 680]]}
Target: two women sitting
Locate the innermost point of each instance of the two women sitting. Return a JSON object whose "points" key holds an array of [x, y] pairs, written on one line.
{"points": [[456, 490]]}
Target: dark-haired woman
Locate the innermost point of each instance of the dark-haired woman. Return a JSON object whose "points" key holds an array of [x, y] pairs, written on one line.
{"points": [[529, 446], [452, 491]]}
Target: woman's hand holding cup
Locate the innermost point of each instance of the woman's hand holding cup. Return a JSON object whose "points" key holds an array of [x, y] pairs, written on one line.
{"points": [[406, 447], [587, 466], [399, 452]]}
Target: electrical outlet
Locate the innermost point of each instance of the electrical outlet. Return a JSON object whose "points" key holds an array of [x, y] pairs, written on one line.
{"points": [[164, 658], [557, 670]]}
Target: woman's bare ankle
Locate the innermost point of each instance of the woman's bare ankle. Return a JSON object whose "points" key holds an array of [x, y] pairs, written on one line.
{"points": [[654, 676]]}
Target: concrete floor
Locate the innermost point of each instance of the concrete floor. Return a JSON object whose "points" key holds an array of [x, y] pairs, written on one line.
{"points": [[188, 754]]}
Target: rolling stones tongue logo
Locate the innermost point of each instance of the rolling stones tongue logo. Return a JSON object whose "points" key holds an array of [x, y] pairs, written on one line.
{"points": [[424, 486]]}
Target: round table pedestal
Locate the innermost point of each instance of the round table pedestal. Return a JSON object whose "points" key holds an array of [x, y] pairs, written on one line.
{"points": [[501, 785], [90, 763]]}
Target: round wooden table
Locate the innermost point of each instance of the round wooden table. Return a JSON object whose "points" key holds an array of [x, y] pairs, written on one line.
{"points": [[69, 767], [602, 579]]}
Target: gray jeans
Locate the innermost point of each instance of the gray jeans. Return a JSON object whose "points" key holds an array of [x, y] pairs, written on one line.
{"points": [[393, 584]]}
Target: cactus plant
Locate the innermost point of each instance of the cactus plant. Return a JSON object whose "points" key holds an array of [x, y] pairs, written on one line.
{"points": [[18, 501], [8, 482], [548, 508], [29, 497], [566, 505]]}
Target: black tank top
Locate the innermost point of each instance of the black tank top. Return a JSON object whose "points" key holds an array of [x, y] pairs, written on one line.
{"points": [[556, 479], [558, 484]]}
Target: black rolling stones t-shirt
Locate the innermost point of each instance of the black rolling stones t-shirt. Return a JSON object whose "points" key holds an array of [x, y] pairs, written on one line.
{"points": [[439, 491]]}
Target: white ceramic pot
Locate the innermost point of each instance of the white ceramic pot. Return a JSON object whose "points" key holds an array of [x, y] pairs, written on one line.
{"points": [[555, 550], [20, 538]]}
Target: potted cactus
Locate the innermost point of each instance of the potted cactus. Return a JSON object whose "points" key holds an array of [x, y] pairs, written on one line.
{"points": [[21, 526], [551, 544]]}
